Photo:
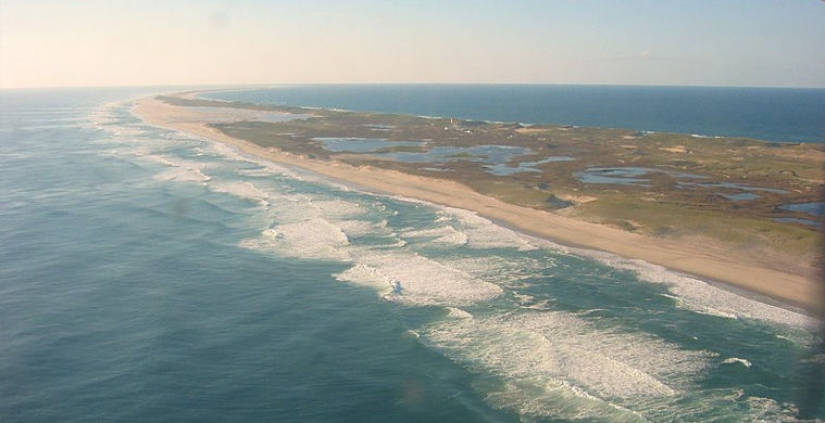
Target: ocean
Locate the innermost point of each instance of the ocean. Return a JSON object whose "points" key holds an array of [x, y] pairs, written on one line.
{"points": [[770, 114], [148, 275]]}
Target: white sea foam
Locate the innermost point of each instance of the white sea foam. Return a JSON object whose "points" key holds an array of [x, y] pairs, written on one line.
{"points": [[482, 233], [290, 207], [349, 218], [337, 208], [105, 114], [363, 227], [453, 238], [267, 167], [416, 280], [701, 297], [243, 190], [126, 149], [362, 274], [311, 239], [182, 174], [181, 170], [546, 359], [767, 410], [263, 171], [127, 133], [510, 272], [734, 360], [457, 313], [440, 235], [472, 230], [523, 298]]}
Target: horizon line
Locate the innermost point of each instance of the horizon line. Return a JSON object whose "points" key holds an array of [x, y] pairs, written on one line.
{"points": [[219, 86]]}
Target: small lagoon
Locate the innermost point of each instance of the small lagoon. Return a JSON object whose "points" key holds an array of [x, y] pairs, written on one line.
{"points": [[814, 209], [627, 175], [503, 169]]}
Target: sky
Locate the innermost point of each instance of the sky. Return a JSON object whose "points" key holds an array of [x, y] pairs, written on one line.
{"points": [[758, 43]]}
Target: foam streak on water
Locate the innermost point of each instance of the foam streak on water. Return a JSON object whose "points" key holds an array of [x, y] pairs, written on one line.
{"points": [[702, 297], [548, 358]]}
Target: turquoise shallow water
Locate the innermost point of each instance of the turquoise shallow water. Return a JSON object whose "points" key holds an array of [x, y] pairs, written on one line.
{"points": [[150, 276]]}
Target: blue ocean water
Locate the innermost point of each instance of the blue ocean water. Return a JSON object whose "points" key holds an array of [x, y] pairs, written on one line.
{"points": [[771, 114], [146, 275]]}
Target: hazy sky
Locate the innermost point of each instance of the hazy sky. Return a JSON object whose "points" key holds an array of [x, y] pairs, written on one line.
{"points": [[650, 42]]}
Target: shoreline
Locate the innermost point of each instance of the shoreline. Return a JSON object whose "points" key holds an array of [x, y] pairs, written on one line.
{"points": [[713, 264]]}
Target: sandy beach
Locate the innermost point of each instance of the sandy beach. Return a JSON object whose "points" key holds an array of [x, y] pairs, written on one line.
{"points": [[795, 284]]}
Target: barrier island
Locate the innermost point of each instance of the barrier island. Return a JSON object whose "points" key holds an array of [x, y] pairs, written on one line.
{"points": [[741, 212]]}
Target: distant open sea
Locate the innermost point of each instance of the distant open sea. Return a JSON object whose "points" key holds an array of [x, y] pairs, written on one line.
{"points": [[770, 114], [150, 276]]}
